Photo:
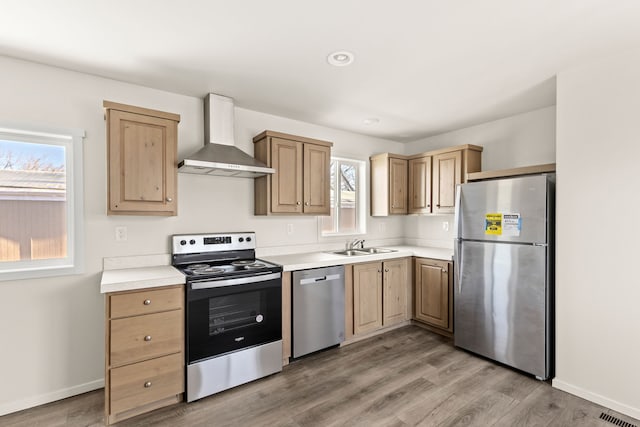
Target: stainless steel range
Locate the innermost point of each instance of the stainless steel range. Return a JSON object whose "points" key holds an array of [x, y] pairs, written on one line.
{"points": [[234, 311]]}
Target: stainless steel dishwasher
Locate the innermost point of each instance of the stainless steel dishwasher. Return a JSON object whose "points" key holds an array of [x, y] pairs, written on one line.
{"points": [[318, 309]]}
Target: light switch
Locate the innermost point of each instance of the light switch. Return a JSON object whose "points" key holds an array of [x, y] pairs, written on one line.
{"points": [[445, 225], [289, 229]]}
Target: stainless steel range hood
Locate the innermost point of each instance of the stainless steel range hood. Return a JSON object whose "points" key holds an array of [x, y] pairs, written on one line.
{"points": [[219, 156]]}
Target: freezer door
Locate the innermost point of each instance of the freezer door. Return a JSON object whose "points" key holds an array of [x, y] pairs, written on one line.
{"points": [[527, 196], [500, 304]]}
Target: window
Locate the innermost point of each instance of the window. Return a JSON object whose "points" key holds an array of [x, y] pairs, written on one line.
{"points": [[347, 198], [40, 201]]}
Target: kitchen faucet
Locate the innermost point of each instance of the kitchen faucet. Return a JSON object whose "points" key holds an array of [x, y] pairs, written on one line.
{"points": [[355, 242]]}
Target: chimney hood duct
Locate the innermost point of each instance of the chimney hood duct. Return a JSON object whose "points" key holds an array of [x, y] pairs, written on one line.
{"points": [[219, 156]]}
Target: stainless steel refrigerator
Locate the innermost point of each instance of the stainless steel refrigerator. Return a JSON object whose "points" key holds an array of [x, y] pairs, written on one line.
{"points": [[504, 271]]}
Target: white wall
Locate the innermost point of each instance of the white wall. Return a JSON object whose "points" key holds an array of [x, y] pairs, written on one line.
{"points": [[521, 140], [598, 293], [52, 329]]}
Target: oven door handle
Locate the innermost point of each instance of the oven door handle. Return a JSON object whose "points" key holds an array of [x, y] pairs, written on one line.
{"points": [[221, 283]]}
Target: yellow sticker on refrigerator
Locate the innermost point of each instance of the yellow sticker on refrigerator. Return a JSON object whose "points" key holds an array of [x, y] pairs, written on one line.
{"points": [[493, 224]]}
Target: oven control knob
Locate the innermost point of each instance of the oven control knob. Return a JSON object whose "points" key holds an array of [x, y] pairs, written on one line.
{"points": [[248, 239], [241, 240], [259, 318], [183, 242], [192, 242]]}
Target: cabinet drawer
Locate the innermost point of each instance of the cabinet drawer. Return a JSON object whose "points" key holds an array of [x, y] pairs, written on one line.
{"points": [[147, 301], [145, 382], [144, 337]]}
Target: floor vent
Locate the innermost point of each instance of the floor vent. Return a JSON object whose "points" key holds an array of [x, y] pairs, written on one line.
{"points": [[616, 421]]}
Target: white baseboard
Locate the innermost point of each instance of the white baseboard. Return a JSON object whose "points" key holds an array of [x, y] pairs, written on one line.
{"points": [[596, 398], [30, 402]]}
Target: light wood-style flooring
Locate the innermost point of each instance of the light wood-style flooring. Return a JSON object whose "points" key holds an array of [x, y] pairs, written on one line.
{"points": [[406, 377]]}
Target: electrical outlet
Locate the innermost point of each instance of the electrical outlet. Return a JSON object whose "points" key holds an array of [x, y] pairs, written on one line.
{"points": [[445, 225], [382, 227], [121, 234], [289, 229]]}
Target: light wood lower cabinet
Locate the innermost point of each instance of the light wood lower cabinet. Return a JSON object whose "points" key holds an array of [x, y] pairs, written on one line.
{"points": [[144, 343], [367, 297], [394, 291], [379, 295], [156, 377], [434, 294]]}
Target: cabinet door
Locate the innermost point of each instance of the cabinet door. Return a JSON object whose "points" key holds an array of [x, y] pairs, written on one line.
{"points": [[447, 173], [317, 159], [286, 182], [367, 297], [433, 293], [397, 186], [394, 298], [142, 164], [420, 185]]}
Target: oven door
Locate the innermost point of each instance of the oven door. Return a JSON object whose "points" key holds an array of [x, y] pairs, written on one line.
{"points": [[226, 315]]}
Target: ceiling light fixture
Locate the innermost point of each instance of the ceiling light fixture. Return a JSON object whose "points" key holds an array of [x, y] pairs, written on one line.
{"points": [[340, 58], [371, 121]]}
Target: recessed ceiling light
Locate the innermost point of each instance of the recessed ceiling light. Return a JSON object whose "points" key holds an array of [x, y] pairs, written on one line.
{"points": [[371, 121], [340, 58]]}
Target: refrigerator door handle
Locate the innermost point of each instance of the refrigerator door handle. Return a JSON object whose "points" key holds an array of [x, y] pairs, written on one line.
{"points": [[457, 265], [456, 217]]}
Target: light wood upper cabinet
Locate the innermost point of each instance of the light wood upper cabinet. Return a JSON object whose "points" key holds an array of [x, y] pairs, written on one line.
{"points": [[420, 185], [388, 185], [447, 173], [142, 167], [300, 184], [286, 183], [398, 186], [379, 294], [434, 293], [317, 160], [450, 169]]}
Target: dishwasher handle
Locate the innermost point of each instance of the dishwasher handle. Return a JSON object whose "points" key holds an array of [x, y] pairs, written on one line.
{"points": [[327, 278]]}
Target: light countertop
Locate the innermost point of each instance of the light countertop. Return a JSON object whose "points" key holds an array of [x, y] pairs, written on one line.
{"points": [[126, 279], [307, 260], [149, 276]]}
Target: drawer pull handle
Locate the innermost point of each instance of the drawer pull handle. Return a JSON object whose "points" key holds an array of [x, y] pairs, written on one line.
{"points": [[147, 302], [147, 384], [147, 338]]}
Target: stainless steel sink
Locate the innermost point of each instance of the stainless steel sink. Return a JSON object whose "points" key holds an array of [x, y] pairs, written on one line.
{"points": [[364, 251], [375, 250], [349, 252]]}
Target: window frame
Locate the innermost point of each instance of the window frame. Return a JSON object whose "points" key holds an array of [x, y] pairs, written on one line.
{"points": [[72, 140], [361, 188]]}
